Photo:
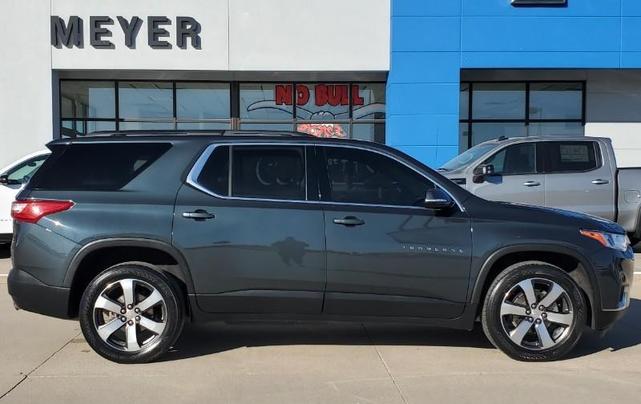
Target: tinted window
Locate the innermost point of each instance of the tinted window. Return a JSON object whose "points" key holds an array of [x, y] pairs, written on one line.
{"points": [[556, 100], [87, 99], [215, 173], [269, 172], [498, 101], [359, 176], [570, 156], [145, 99], [467, 157], [96, 167], [202, 101], [515, 159], [24, 171]]}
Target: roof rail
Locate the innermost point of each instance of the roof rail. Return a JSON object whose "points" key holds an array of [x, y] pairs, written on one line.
{"points": [[200, 132]]}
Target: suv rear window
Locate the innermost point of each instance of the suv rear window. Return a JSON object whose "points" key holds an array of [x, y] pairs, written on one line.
{"points": [[96, 167]]}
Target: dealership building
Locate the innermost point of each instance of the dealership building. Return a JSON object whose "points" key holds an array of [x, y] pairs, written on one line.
{"points": [[429, 77]]}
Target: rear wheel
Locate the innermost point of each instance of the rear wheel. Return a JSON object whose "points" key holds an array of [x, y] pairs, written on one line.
{"points": [[534, 312], [131, 314]]}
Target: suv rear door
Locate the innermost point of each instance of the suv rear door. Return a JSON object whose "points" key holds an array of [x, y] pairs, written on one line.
{"points": [[576, 177], [386, 254], [252, 241]]}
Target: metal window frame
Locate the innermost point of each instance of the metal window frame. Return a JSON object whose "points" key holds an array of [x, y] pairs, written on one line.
{"points": [[196, 169], [234, 121], [470, 120]]}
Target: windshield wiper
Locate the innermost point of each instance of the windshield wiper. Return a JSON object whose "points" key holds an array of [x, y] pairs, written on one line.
{"points": [[442, 169]]}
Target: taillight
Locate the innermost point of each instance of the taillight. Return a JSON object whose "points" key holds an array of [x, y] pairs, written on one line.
{"points": [[32, 210]]}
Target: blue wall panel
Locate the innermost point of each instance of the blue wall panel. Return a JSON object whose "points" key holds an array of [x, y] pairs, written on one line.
{"points": [[532, 34], [426, 8], [425, 67], [432, 40], [533, 60], [631, 7], [576, 8], [426, 34]]}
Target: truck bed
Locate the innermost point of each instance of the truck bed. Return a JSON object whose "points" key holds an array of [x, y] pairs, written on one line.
{"points": [[629, 199]]}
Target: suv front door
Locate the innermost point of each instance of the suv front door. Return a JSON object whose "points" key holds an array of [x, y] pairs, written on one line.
{"points": [[252, 242], [515, 176], [386, 254]]}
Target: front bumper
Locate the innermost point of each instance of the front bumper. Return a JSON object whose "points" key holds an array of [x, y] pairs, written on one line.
{"points": [[30, 294], [615, 274]]}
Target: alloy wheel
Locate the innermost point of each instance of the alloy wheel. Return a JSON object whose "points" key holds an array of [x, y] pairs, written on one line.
{"points": [[130, 315], [537, 314]]}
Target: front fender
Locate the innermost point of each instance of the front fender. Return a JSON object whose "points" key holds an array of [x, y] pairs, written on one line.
{"points": [[584, 275]]}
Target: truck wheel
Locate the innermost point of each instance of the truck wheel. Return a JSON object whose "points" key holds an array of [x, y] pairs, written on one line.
{"points": [[534, 311], [131, 314]]}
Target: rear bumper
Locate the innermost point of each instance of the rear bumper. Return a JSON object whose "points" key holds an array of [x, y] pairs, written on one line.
{"points": [[30, 294], [5, 238]]}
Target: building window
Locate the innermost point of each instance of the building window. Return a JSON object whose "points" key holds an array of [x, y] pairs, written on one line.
{"points": [[489, 110], [203, 106], [344, 110], [87, 106]]}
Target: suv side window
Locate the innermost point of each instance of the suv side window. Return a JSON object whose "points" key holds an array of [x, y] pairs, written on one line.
{"points": [[514, 160], [364, 177], [564, 157], [215, 173], [24, 171], [261, 172], [268, 172]]}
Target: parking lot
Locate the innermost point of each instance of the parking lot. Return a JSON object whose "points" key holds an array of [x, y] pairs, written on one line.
{"points": [[47, 360]]}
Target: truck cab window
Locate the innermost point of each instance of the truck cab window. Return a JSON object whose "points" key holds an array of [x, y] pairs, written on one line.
{"points": [[514, 160], [564, 157]]}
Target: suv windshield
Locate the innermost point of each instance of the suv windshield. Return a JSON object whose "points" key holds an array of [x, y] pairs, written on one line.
{"points": [[467, 157]]}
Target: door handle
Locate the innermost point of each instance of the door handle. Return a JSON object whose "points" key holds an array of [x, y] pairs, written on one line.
{"points": [[531, 183], [198, 214], [349, 221], [600, 182]]}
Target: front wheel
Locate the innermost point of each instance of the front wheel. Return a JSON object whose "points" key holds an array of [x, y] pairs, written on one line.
{"points": [[131, 314], [534, 311]]}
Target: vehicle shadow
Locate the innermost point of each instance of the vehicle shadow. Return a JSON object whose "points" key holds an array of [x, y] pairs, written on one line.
{"points": [[206, 339], [625, 333]]}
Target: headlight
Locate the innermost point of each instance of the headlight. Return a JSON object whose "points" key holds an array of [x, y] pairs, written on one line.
{"points": [[619, 242]]}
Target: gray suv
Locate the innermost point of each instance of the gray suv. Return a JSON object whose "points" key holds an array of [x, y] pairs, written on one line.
{"points": [[134, 234]]}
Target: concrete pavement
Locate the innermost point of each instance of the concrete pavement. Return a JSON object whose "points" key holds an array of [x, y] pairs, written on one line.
{"points": [[47, 360]]}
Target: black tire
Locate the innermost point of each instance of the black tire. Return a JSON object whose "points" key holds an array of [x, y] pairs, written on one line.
{"points": [[531, 348], [171, 311]]}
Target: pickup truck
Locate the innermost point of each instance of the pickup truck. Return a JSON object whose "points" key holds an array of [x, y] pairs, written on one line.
{"points": [[573, 173]]}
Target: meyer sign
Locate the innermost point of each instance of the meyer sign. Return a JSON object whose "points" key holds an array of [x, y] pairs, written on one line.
{"points": [[70, 33]]}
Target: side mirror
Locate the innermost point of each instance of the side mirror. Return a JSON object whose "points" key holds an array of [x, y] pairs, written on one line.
{"points": [[4, 180], [481, 172], [437, 199]]}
